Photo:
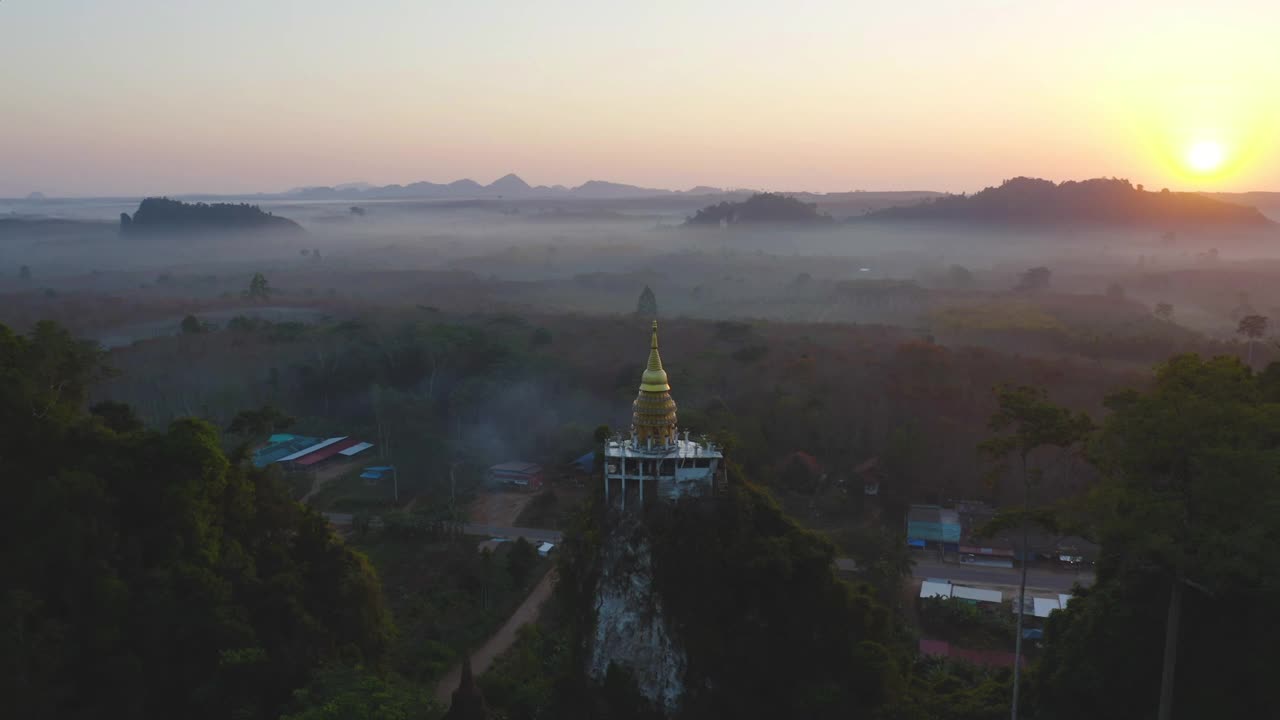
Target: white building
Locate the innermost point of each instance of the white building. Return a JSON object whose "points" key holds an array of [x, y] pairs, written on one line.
{"points": [[654, 460]]}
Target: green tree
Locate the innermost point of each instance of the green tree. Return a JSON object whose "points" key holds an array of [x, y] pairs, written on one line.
{"points": [[259, 289], [24, 273], [1187, 518], [1252, 327], [520, 561], [1036, 278], [191, 325], [1027, 423], [647, 305], [343, 693], [253, 425], [147, 574]]}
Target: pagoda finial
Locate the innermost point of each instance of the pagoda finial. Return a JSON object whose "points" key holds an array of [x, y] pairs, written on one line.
{"points": [[654, 378]]}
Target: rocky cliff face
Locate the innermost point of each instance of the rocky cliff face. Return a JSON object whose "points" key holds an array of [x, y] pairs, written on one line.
{"points": [[630, 629]]}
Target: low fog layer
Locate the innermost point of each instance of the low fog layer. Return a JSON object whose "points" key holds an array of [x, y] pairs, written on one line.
{"points": [[592, 254]]}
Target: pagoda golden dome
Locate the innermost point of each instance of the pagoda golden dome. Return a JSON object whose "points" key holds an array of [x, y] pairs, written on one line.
{"points": [[653, 414]]}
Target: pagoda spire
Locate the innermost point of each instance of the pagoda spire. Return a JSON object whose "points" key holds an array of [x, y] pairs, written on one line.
{"points": [[654, 412]]}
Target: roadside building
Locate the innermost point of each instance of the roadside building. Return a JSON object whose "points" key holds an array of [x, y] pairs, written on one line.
{"points": [[525, 475], [303, 454], [933, 526]]}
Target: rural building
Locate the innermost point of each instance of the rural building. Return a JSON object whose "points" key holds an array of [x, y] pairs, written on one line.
{"points": [[943, 589], [654, 455], [298, 452], [933, 526], [521, 474], [870, 475]]}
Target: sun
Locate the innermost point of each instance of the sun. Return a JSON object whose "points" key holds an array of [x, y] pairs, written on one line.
{"points": [[1206, 156]]}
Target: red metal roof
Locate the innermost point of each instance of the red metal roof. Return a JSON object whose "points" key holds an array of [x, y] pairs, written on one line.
{"points": [[326, 452]]}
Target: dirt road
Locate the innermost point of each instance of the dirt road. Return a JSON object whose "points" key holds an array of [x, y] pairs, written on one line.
{"points": [[483, 657], [499, 507]]}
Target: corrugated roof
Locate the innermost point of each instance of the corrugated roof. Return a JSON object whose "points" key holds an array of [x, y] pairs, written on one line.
{"points": [[356, 449], [280, 446], [524, 468], [1044, 606], [979, 594], [326, 452], [308, 450], [931, 588]]}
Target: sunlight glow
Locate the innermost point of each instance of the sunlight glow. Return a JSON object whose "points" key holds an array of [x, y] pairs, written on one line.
{"points": [[1206, 156]]}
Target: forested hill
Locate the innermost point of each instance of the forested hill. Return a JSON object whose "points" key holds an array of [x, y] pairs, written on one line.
{"points": [[759, 209], [1099, 201], [146, 573], [159, 214]]}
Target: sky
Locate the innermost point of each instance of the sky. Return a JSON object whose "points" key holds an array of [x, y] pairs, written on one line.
{"points": [[133, 97]]}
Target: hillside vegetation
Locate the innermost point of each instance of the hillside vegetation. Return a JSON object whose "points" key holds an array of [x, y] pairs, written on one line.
{"points": [[149, 575], [165, 214], [761, 208], [1100, 201]]}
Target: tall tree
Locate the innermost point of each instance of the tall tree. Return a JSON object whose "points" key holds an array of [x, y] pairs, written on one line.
{"points": [[1188, 515], [1252, 327], [255, 425], [647, 305], [259, 289], [1027, 423]]}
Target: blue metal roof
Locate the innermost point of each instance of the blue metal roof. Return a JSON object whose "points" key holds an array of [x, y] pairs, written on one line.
{"points": [[285, 446], [586, 462]]}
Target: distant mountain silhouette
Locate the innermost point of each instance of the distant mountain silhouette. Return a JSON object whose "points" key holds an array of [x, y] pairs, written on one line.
{"points": [[507, 186], [606, 189], [509, 183], [760, 208], [163, 214], [1030, 201]]}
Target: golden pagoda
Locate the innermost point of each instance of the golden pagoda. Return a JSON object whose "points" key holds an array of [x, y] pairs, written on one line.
{"points": [[653, 415]]}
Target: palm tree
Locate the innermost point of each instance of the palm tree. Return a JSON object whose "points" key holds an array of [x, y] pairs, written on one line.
{"points": [[1252, 327], [1027, 422]]}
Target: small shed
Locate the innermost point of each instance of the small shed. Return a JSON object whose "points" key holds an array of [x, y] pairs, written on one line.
{"points": [[520, 474]]}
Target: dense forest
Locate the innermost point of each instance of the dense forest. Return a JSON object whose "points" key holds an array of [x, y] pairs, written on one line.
{"points": [[1099, 201], [163, 214], [136, 536], [147, 573]]}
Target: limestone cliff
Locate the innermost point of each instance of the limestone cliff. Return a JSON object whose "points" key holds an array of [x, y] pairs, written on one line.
{"points": [[630, 629]]}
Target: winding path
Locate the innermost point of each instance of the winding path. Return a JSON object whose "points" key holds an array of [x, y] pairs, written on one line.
{"points": [[497, 644]]}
